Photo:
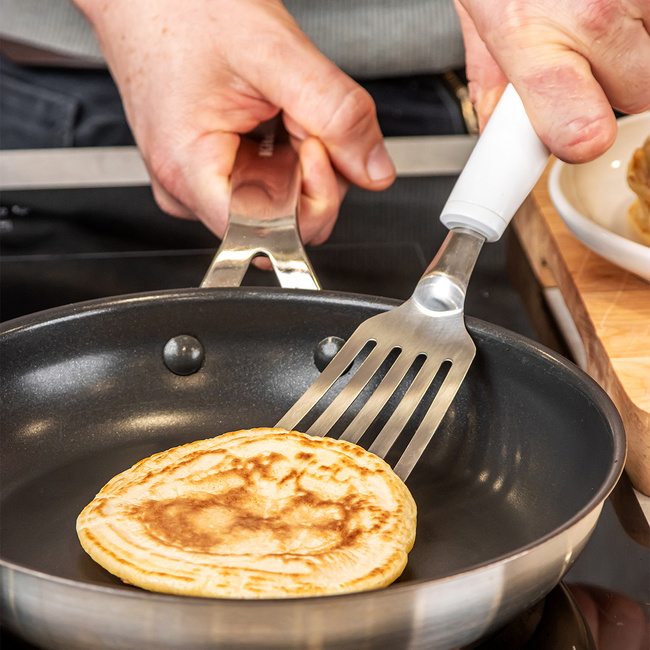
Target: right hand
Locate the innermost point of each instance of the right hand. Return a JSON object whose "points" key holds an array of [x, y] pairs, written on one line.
{"points": [[193, 75], [571, 61]]}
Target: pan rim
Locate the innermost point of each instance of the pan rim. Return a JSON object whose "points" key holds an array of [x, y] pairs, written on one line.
{"points": [[87, 307], [580, 378]]}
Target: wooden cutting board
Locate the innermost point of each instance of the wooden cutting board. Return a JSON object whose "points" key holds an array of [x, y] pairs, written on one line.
{"points": [[611, 310]]}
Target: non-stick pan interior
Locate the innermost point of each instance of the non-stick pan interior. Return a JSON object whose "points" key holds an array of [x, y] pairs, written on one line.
{"points": [[86, 393]]}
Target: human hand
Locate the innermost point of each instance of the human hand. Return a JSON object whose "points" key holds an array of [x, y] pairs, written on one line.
{"points": [[571, 61], [195, 74]]}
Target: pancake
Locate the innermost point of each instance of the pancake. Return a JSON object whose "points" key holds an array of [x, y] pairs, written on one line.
{"points": [[260, 513], [638, 178]]}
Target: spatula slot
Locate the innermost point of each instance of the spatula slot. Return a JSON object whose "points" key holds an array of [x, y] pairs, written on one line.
{"points": [[398, 430]]}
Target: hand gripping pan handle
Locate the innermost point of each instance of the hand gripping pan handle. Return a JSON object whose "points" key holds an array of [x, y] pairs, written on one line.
{"points": [[263, 213], [506, 163]]}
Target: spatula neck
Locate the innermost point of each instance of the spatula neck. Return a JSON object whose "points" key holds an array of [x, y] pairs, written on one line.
{"points": [[444, 284]]}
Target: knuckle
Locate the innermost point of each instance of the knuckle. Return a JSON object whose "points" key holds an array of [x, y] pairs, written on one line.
{"points": [[354, 114], [600, 16]]}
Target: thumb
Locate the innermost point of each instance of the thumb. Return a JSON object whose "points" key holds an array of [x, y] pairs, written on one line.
{"points": [[566, 106], [320, 100]]}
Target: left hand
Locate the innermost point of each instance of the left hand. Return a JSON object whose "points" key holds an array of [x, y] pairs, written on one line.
{"points": [[196, 74]]}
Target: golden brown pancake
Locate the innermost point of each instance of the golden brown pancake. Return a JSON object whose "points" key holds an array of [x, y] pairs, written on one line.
{"points": [[638, 178], [261, 513]]}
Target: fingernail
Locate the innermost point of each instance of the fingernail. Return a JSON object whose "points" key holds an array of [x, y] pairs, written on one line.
{"points": [[380, 165]]}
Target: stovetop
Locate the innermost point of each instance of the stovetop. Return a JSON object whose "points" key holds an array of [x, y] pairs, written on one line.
{"points": [[59, 246]]}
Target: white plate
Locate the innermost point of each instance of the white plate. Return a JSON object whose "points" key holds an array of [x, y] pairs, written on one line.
{"points": [[593, 198]]}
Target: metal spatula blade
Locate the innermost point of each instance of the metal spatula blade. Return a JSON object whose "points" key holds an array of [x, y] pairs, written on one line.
{"points": [[506, 163], [428, 325]]}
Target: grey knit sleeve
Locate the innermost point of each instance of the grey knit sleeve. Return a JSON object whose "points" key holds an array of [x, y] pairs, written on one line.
{"points": [[366, 38], [54, 25], [374, 38]]}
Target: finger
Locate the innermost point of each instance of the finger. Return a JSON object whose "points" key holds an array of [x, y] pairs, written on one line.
{"points": [[198, 179], [297, 131], [167, 203], [616, 42], [347, 125], [326, 103], [262, 262], [328, 226], [486, 81], [567, 107], [321, 194]]}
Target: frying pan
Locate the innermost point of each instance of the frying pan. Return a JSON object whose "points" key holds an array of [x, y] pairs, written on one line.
{"points": [[508, 491]]}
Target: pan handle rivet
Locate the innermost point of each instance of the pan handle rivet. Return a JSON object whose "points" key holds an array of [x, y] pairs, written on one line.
{"points": [[326, 350], [183, 354]]}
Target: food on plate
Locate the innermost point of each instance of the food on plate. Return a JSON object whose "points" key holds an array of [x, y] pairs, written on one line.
{"points": [[259, 513], [638, 178]]}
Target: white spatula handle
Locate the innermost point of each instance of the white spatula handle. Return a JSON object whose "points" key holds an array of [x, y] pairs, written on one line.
{"points": [[507, 161]]}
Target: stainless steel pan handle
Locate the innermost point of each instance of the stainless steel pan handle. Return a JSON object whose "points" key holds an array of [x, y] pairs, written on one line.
{"points": [[263, 213]]}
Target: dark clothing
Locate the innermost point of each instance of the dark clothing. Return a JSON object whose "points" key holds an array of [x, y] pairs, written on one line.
{"points": [[46, 107]]}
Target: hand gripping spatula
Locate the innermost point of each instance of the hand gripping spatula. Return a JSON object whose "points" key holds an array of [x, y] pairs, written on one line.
{"points": [[505, 164]]}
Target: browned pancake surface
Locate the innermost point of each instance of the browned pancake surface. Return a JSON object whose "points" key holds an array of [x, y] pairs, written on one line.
{"points": [[261, 513], [638, 178]]}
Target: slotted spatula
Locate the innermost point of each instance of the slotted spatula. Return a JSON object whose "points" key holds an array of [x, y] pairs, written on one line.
{"points": [[505, 165]]}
